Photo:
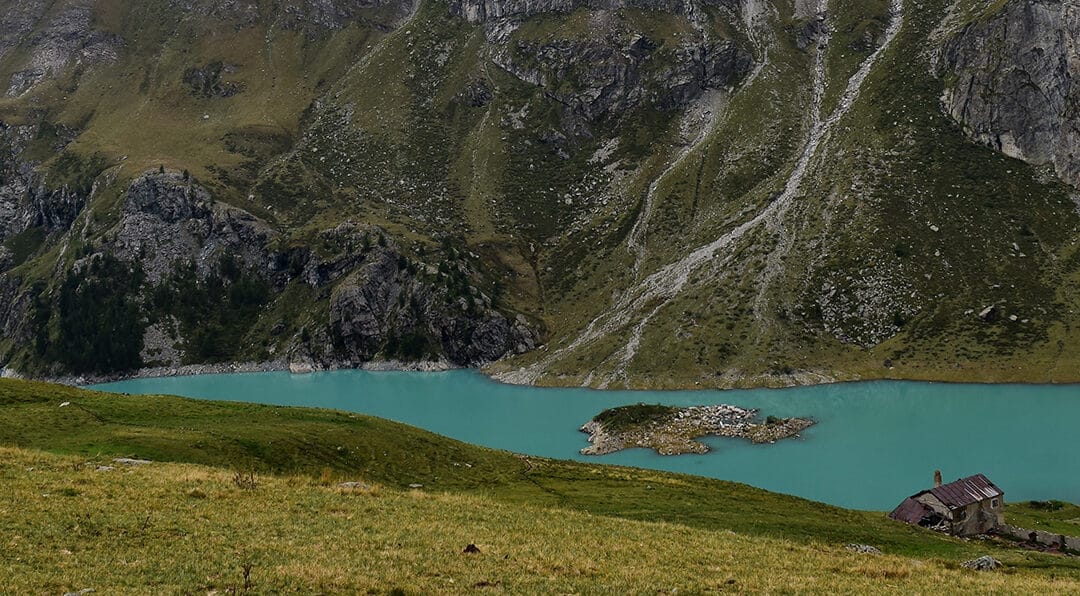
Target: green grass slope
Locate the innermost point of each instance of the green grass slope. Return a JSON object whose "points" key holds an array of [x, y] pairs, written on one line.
{"points": [[177, 528], [298, 453]]}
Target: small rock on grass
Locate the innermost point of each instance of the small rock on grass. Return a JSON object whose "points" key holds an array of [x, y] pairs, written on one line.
{"points": [[471, 550], [127, 461], [864, 549], [983, 563]]}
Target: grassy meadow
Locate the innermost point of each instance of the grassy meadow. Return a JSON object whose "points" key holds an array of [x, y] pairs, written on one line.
{"points": [[179, 528], [237, 486]]}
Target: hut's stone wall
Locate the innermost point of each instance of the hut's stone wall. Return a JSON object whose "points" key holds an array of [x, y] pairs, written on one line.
{"points": [[1049, 539]]}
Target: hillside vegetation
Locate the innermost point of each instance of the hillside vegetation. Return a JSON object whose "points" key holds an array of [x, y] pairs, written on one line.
{"points": [[234, 485], [660, 193]]}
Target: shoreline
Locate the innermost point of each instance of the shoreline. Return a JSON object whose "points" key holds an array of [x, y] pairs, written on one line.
{"points": [[194, 370], [762, 381], [732, 382]]}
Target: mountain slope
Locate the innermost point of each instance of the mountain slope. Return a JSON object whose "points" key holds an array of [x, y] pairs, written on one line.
{"points": [[660, 193]]}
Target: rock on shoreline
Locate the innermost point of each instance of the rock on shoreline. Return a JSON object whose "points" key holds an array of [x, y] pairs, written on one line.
{"points": [[674, 431]]}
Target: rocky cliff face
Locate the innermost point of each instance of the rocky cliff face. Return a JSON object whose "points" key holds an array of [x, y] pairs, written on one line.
{"points": [[488, 11], [594, 78], [59, 39], [381, 304], [168, 220], [386, 307], [1013, 83], [27, 199], [615, 68]]}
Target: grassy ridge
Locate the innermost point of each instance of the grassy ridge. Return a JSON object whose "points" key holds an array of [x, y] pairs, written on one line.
{"points": [[290, 447], [171, 528]]}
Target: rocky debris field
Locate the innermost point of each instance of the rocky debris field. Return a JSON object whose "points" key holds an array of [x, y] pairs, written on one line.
{"points": [[674, 431]]}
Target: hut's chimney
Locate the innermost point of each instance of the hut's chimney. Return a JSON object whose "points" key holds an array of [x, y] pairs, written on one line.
{"points": [[937, 478]]}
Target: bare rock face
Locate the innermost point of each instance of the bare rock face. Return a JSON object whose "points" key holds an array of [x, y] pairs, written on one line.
{"points": [[387, 307], [18, 20], [207, 81], [311, 16], [65, 38], [483, 11], [1012, 83], [616, 68], [15, 323], [168, 219], [26, 200], [344, 246], [594, 78]]}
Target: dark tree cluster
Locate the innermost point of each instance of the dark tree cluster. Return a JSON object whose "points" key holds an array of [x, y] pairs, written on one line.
{"points": [[98, 322]]}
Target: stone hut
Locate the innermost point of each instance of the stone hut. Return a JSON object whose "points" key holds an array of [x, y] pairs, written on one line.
{"points": [[967, 507]]}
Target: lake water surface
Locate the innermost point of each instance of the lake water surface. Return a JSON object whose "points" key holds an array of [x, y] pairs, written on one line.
{"points": [[875, 443]]}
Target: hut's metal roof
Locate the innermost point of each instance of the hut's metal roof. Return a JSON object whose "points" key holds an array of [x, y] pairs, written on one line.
{"points": [[966, 491], [910, 511]]}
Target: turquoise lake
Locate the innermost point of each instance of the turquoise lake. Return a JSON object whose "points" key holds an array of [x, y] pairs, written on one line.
{"points": [[874, 443]]}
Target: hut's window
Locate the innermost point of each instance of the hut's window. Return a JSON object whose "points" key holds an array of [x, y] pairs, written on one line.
{"points": [[994, 503], [963, 514]]}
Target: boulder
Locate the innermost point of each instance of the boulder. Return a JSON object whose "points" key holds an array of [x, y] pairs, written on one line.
{"points": [[988, 314], [983, 563], [127, 461], [864, 549]]}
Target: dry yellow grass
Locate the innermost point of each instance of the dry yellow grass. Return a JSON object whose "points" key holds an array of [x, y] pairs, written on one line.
{"points": [[168, 528]]}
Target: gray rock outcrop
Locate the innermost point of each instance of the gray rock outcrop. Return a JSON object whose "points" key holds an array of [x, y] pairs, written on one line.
{"points": [[312, 16], [1012, 83], [167, 219], [482, 11], [207, 82], [26, 200], [387, 307], [14, 323], [594, 78], [983, 563], [54, 41]]}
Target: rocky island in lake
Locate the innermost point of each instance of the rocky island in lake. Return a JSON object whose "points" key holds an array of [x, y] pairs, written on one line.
{"points": [[673, 430]]}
